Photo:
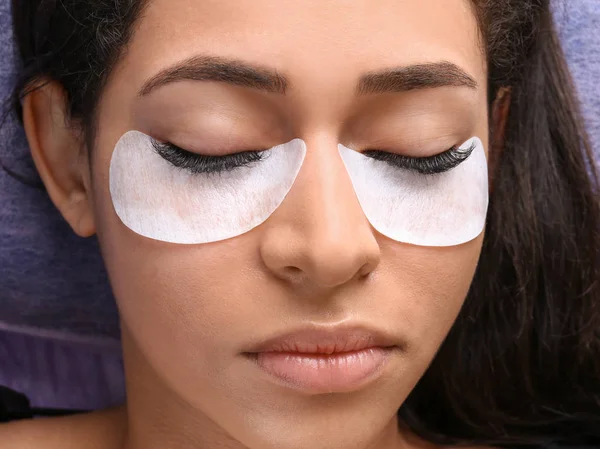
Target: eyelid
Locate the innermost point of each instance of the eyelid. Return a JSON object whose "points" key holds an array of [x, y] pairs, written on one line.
{"points": [[209, 153], [168, 146]]}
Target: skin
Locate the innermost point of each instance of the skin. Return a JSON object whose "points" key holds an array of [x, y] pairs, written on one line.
{"points": [[189, 311]]}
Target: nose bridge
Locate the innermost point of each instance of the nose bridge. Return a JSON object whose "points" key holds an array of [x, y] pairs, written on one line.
{"points": [[332, 205], [320, 229]]}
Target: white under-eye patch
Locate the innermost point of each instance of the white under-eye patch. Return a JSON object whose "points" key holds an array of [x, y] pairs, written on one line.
{"points": [[161, 201], [442, 209], [174, 200]]}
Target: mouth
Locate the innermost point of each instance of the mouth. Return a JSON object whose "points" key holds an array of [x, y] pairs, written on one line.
{"points": [[325, 360]]}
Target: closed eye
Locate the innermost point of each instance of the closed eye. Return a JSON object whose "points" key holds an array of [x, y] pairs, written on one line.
{"points": [[203, 164], [430, 165]]}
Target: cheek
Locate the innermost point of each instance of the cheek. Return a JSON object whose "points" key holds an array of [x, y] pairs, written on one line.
{"points": [[431, 285], [187, 307], [178, 296]]}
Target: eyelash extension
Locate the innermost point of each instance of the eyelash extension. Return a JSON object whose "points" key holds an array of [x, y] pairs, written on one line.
{"points": [[203, 164], [430, 165]]}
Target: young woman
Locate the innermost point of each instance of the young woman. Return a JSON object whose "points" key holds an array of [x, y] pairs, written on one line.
{"points": [[290, 199]]}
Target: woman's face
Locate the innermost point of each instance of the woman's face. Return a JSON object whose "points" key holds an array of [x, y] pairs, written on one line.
{"points": [[189, 312]]}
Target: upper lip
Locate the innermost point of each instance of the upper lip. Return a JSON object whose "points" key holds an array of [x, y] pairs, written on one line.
{"points": [[327, 340]]}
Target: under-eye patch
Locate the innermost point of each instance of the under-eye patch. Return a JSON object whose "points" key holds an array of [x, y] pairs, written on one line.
{"points": [[410, 201], [165, 193]]}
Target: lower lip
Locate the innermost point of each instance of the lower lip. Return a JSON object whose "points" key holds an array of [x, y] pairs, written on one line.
{"points": [[325, 373]]}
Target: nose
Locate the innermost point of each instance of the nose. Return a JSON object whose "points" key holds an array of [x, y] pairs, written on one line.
{"points": [[319, 235]]}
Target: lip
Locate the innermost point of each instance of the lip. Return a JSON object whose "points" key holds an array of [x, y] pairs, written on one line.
{"points": [[320, 360], [326, 340]]}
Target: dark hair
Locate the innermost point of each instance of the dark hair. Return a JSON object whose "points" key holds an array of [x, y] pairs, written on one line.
{"points": [[521, 365], [74, 42]]}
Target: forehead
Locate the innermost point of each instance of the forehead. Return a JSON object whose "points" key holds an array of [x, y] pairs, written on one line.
{"points": [[316, 41]]}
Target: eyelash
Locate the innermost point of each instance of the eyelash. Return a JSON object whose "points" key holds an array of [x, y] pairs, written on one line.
{"points": [[430, 165], [203, 164]]}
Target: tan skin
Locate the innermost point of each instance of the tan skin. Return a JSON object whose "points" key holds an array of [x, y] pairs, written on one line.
{"points": [[188, 310]]}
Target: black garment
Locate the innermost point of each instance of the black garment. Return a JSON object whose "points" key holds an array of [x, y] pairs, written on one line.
{"points": [[15, 406]]}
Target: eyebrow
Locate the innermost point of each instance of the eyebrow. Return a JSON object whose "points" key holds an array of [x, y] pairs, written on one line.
{"points": [[214, 68], [240, 73], [420, 76]]}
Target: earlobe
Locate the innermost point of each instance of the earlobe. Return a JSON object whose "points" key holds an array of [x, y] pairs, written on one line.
{"points": [[500, 112], [58, 152]]}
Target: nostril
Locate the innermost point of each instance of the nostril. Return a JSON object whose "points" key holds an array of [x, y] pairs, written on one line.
{"points": [[293, 274], [291, 270], [366, 270]]}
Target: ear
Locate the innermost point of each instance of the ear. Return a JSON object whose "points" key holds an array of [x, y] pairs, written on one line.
{"points": [[500, 112], [58, 151]]}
